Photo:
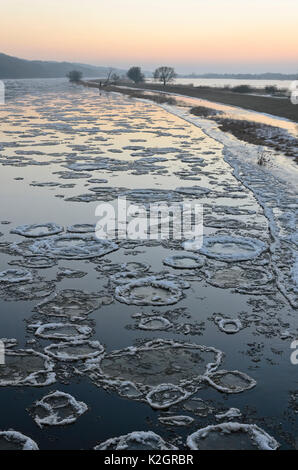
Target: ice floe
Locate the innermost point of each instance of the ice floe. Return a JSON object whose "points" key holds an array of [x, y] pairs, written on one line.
{"points": [[231, 436], [230, 381], [62, 331], [176, 420], [38, 230], [242, 278], [231, 413], [38, 289], [149, 291], [193, 191], [35, 262], [137, 440], [230, 249], [71, 246], [228, 325], [72, 304], [145, 196], [74, 350], [57, 409], [9, 342], [81, 228], [128, 390], [163, 372], [135, 267], [14, 440], [12, 276], [185, 261], [69, 273], [198, 407], [26, 367], [124, 277], [166, 395], [153, 323]]}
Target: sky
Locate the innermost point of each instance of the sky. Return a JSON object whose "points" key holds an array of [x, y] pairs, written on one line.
{"points": [[191, 35]]}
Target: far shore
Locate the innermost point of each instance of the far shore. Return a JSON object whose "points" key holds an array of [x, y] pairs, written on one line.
{"points": [[281, 107]]}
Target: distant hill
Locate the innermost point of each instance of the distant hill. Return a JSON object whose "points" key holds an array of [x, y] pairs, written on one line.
{"points": [[12, 67], [245, 76]]}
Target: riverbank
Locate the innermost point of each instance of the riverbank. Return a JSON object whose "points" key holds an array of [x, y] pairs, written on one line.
{"points": [[252, 132], [257, 133], [281, 107]]}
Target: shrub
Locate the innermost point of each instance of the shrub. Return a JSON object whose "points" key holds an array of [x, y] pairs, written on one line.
{"points": [[204, 112], [271, 89], [241, 89], [74, 76], [135, 74]]}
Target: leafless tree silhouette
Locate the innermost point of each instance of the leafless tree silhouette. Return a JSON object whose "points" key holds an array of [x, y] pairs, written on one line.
{"points": [[164, 74]]}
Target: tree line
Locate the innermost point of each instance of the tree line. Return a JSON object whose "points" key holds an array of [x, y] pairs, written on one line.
{"points": [[162, 74]]}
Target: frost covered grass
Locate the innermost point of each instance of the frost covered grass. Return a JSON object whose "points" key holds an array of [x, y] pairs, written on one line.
{"points": [[261, 134]]}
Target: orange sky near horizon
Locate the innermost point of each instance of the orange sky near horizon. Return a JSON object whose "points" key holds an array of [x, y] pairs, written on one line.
{"points": [[190, 34]]}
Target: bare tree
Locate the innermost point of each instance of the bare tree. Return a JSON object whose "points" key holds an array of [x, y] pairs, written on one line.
{"points": [[115, 78], [164, 74], [135, 74], [109, 75]]}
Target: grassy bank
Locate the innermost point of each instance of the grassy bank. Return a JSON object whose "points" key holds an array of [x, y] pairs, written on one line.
{"points": [[281, 107]]}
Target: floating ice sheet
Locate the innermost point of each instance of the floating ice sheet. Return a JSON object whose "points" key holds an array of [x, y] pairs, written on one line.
{"points": [[137, 440], [38, 230], [62, 331], [231, 436], [194, 191], [176, 420], [26, 367], [232, 381], [70, 246], [232, 413], [12, 276], [38, 289], [185, 261], [149, 291], [81, 228], [35, 262], [228, 325], [135, 267], [166, 395], [242, 278], [198, 407], [57, 409], [14, 440], [153, 323], [74, 350], [161, 372], [69, 273], [71, 304], [230, 249]]}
